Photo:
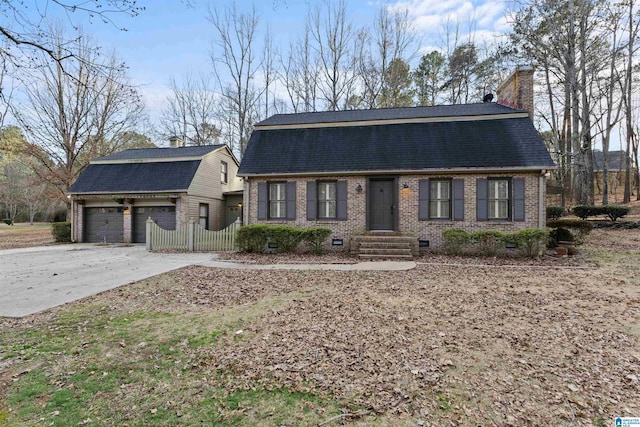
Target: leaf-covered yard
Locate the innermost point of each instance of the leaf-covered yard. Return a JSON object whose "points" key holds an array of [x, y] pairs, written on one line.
{"points": [[544, 343]]}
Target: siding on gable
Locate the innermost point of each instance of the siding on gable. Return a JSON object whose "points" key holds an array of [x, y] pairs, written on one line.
{"points": [[207, 188], [408, 206]]}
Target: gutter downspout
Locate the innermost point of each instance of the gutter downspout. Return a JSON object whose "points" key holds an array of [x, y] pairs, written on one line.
{"points": [[73, 221], [541, 199], [247, 201]]}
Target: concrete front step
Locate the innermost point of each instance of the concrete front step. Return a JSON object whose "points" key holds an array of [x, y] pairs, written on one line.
{"points": [[377, 256], [385, 251], [384, 245]]}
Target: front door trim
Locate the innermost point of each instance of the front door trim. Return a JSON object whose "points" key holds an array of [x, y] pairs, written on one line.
{"points": [[394, 187]]}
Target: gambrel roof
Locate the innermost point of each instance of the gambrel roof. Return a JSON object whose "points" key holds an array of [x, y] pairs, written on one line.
{"points": [[454, 137], [142, 170]]}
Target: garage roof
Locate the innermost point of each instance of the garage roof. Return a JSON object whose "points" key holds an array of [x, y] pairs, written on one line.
{"points": [[159, 153], [136, 177]]}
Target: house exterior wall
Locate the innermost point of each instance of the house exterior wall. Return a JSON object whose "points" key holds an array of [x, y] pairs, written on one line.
{"points": [[408, 205], [207, 187]]}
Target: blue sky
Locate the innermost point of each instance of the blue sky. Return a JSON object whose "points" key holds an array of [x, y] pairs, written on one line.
{"points": [[171, 38]]}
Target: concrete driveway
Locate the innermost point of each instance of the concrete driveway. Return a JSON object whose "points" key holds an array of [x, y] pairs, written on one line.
{"points": [[34, 279]]}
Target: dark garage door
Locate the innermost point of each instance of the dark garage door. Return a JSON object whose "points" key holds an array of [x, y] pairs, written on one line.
{"points": [[164, 216], [103, 225]]}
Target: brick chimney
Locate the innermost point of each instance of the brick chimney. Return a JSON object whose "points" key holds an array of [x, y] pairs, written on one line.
{"points": [[517, 90]]}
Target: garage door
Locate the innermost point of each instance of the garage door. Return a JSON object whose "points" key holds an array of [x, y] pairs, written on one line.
{"points": [[103, 225], [164, 216]]}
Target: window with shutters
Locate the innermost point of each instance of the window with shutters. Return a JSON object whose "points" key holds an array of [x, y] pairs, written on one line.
{"points": [[439, 199], [277, 200], [498, 202], [326, 200]]}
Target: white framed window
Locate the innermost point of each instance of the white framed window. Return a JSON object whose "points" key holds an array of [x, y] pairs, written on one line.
{"points": [[440, 199], [326, 200], [277, 200], [204, 216], [498, 199], [223, 173]]}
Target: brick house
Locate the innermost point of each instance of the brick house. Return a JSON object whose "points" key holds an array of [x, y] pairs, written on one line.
{"points": [[114, 196], [407, 171]]}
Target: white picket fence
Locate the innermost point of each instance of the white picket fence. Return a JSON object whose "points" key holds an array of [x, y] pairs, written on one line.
{"points": [[191, 237]]}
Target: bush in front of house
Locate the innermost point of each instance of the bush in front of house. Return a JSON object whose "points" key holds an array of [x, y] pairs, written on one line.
{"points": [[488, 242], [573, 230], [455, 240], [284, 237], [613, 212], [257, 238], [554, 212], [530, 241], [558, 235], [314, 238], [252, 238], [61, 231]]}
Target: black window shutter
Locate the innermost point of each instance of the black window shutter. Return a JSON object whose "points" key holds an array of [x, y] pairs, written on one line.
{"points": [[341, 200], [262, 200], [312, 208], [458, 199], [481, 199], [423, 199], [518, 199], [291, 200]]}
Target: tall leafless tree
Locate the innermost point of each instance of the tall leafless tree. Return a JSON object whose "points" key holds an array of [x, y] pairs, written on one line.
{"points": [[236, 63], [191, 112], [333, 42], [72, 115], [299, 73]]}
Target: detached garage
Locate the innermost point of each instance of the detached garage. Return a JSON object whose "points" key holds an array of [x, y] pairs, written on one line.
{"points": [[116, 194]]}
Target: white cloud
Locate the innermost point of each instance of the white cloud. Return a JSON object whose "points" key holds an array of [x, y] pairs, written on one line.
{"points": [[481, 21]]}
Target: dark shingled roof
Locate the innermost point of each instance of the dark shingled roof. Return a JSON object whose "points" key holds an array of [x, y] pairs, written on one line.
{"points": [[160, 153], [510, 142], [389, 114], [136, 177]]}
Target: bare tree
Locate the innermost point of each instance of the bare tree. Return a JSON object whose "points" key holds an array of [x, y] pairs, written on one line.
{"points": [[71, 116], [192, 111], [299, 73], [234, 58], [633, 26], [564, 39], [269, 71], [333, 42], [380, 53], [24, 35], [609, 97]]}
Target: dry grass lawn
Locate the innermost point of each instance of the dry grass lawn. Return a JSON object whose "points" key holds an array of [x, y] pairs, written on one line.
{"points": [[24, 235]]}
